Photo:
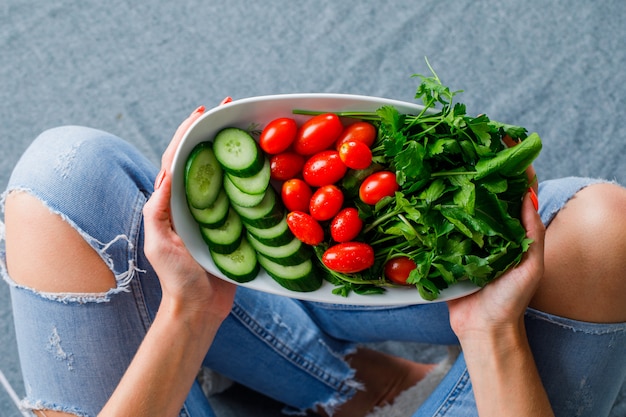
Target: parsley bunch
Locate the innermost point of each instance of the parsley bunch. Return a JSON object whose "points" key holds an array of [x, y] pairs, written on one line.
{"points": [[458, 208]]}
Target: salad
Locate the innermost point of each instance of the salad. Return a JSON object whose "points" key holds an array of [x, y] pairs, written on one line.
{"points": [[366, 200]]}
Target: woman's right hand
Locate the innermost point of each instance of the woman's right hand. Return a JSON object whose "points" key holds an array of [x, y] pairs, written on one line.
{"points": [[185, 283], [193, 306]]}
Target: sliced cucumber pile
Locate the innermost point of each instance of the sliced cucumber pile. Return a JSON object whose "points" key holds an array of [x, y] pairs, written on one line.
{"points": [[241, 219]]}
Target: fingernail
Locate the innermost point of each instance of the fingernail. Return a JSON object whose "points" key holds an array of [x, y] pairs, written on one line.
{"points": [[226, 100], [199, 110], [159, 179], [534, 198]]}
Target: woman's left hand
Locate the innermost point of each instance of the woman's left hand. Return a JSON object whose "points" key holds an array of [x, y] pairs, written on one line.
{"points": [[502, 302], [490, 326]]}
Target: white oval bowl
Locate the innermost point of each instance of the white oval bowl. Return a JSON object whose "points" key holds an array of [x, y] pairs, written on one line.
{"points": [[258, 111]]}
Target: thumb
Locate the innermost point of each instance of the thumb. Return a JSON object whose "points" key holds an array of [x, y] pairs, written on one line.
{"points": [[156, 211]]}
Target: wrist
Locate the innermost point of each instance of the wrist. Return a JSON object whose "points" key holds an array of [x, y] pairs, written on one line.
{"points": [[495, 340], [188, 320], [200, 301], [504, 374]]}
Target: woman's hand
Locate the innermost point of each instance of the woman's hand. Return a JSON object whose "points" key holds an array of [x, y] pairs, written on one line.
{"points": [[502, 302], [193, 306], [185, 283], [490, 327]]}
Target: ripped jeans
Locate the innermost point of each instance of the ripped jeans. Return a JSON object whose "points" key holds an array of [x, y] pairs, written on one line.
{"points": [[74, 348]]}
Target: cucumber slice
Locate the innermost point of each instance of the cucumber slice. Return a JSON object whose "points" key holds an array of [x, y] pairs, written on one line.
{"points": [[256, 184], [203, 176], [225, 238], [292, 253], [240, 198], [238, 152], [241, 265], [269, 212], [215, 215], [302, 277], [275, 235]]}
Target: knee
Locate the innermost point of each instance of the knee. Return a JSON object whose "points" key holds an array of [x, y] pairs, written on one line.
{"points": [[599, 223], [56, 153], [585, 264], [60, 140], [75, 169], [75, 179]]}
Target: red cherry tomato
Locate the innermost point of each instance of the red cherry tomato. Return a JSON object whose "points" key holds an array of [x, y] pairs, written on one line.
{"points": [[296, 195], [346, 225], [378, 185], [286, 165], [326, 202], [358, 132], [305, 228], [355, 155], [278, 135], [318, 133], [398, 269], [324, 168], [349, 257]]}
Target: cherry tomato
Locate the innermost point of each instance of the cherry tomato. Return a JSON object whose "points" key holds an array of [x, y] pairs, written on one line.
{"points": [[326, 202], [358, 132], [346, 225], [296, 195], [278, 135], [378, 185], [305, 228], [355, 155], [349, 257], [398, 269], [286, 165], [324, 168], [318, 133]]}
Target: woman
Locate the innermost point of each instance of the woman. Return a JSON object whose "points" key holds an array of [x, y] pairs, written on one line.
{"points": [[114, 318]]}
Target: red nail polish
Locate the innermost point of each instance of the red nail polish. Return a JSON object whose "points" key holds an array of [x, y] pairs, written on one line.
{"points": [[199, 110], [226, 100], [534, 198]]}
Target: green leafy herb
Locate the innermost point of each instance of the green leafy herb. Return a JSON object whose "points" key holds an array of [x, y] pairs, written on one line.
{"points": [[458, 208]]}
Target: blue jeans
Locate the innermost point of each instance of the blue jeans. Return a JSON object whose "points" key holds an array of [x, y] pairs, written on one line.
{"points": [[74, 348]]}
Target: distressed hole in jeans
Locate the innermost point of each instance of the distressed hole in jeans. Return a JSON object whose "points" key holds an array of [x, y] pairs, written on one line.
{"points": [[80, 269], [42, 409]]}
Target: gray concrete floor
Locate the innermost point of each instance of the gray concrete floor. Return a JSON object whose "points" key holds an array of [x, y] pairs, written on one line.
{"points": [[11, 386]]}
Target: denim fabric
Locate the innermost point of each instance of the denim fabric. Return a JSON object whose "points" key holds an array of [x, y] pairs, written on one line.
{"points": [[555, 193], [582, 365], [74, 348]]}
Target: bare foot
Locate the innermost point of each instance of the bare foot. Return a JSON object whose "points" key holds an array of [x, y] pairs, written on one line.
{"points": [[384, 376]]}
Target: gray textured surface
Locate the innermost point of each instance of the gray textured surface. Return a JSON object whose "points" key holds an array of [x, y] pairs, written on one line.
{"points": [[138, 68]]}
